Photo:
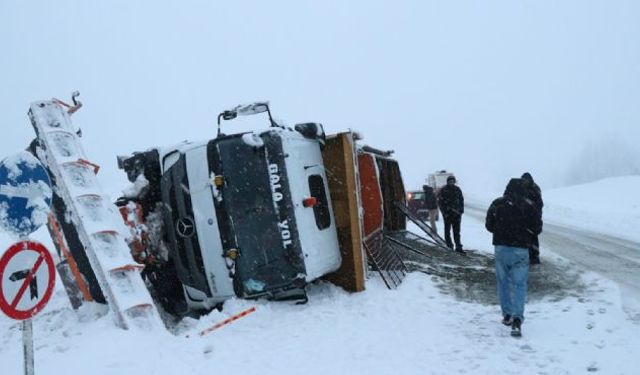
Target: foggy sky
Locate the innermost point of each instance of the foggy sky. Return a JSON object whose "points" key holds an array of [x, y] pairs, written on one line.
{"points": [[488, 90]]}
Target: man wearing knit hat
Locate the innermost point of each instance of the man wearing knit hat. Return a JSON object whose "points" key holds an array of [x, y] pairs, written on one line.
{"points": [[451, 202]]}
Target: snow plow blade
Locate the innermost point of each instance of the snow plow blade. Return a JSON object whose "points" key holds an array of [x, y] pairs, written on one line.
{"points": [[92, 216]]}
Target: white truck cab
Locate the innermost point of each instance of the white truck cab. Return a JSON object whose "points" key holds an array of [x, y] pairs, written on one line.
{"points": [[245, 215]]}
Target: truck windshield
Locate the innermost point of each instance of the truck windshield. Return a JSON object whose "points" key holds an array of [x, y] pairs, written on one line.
{"points": [[255, 212]]}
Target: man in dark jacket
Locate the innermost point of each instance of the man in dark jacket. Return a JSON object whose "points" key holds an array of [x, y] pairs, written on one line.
{"points": [[431, 204], [451, 204], [533, 196], [512, 221]]}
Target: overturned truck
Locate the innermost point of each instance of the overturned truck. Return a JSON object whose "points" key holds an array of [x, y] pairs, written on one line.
{"points": [[254, 214], [245, 215]]}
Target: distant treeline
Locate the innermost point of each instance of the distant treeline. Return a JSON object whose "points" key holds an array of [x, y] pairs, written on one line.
{"points": [[606, 157]]}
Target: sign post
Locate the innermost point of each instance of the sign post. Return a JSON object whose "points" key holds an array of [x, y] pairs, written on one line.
{"points": [[27, 272], [27, 344]]}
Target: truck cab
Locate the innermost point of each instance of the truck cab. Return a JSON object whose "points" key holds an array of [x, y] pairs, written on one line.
{"points": [[245, 215]]}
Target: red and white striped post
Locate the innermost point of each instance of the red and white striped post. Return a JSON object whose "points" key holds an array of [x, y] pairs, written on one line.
{"points": [[227, 321]]}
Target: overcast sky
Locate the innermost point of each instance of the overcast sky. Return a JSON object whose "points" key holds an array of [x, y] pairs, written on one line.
{"points": [[487, 89]]}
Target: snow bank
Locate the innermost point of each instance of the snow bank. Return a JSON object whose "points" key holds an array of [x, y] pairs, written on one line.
{"points": [[413, 330], [610, 206]]}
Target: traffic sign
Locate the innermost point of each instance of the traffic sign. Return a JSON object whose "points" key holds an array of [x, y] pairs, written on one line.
{"points": [[27, 277], [25, 193]]}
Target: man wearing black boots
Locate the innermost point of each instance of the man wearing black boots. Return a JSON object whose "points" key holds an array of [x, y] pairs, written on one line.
{"points": [[451, 204], [512, 220]]}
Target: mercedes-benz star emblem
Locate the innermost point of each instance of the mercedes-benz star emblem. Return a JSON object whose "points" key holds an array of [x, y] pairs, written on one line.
{"points": [[185, 227]]}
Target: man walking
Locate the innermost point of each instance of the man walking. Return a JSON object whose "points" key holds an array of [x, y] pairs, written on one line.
{"points": [[431, 204], [451, 204], [534, 198], [512, 221]]}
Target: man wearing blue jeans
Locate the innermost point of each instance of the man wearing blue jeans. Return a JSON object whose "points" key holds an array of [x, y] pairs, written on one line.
{"points": [[513, 223]]}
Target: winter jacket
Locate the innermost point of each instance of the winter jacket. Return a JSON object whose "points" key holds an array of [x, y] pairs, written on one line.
{"points": [[533, 193], [511, 219], [451, 201], [430, 202]]}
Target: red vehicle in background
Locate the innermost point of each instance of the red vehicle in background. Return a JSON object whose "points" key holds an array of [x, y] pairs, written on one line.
{"points": [[415, 202], [415, 198]]}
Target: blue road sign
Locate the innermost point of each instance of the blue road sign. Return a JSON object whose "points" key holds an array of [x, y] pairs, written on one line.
{"points": [[25, 194]]}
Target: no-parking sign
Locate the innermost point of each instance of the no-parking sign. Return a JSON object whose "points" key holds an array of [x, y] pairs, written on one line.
{"points": [[27, 277]]}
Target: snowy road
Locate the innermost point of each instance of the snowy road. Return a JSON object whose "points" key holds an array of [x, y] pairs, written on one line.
{"points": [[434, 323], [614, 258]]}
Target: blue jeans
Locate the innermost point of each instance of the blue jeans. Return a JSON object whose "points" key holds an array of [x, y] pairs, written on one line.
{"points": [[512, 273]]}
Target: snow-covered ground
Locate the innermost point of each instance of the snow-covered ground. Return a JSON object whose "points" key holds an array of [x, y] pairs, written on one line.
{"points": [[609, 206], [413, 330]]}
